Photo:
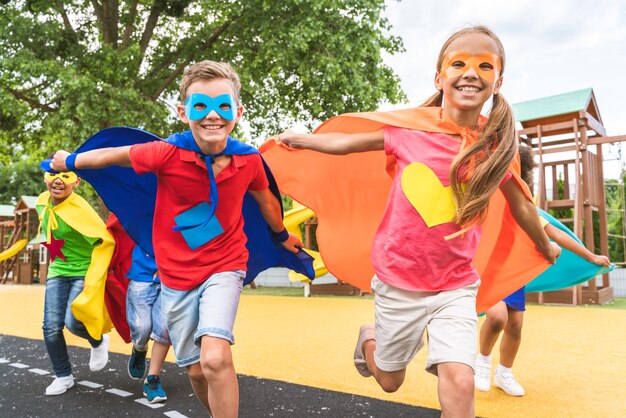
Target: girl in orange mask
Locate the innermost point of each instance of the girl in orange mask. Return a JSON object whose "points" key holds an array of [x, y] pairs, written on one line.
{"points": [[447, 161]]}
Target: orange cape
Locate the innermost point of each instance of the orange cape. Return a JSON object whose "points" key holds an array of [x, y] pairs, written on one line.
{"points": [[348, 193]]}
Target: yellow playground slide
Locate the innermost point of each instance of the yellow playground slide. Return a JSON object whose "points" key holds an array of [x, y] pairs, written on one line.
{"points": [[13, 250], [293, 219]]}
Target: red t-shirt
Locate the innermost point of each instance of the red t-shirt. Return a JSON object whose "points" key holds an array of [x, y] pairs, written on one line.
{"points": [[183, 183]]}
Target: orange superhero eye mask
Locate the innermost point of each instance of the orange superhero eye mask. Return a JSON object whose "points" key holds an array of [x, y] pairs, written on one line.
{"points": [[486, 65], [67, 177]]}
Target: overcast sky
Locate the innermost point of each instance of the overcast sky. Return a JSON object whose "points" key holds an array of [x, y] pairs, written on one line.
{"points": [[552, 47]]}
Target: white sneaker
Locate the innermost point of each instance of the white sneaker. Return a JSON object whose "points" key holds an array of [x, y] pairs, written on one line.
{"points": [[99, 355], [506, 381], [482, 376], [60, 385]]}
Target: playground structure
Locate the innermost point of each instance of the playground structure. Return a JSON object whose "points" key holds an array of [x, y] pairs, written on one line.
{"points": [[566, 133], [20, 260]]}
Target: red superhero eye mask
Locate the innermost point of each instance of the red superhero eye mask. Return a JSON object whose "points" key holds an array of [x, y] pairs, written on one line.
{"points": [[486, 65]]}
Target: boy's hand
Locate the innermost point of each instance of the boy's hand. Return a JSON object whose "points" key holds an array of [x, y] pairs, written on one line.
{"points": [[58, 161], [601, 260], [292, 243], [554, 251]]}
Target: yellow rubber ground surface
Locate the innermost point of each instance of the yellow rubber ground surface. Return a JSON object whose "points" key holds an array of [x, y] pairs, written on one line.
{"points": [[572, 362]]}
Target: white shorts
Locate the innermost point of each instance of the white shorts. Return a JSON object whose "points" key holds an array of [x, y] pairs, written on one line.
{"points": [[402, 316]]}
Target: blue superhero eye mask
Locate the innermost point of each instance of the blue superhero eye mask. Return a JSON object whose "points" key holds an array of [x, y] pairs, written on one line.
{"points": [[198, 105]]}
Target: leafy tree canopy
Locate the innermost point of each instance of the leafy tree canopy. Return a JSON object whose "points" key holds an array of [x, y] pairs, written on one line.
{"points": [[70, 68]]}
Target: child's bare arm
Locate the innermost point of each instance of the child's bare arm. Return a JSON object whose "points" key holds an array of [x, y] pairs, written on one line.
{"points": [[98, 158], [270, 209], [335, 143], [569, 243], [525, 213]]}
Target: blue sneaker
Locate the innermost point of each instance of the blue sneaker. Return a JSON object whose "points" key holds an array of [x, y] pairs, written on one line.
{"points": [[137, 364], [152, 389]]}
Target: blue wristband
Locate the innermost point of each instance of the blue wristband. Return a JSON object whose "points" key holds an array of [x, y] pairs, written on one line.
{"points": [[281, 236], [70, 160]]}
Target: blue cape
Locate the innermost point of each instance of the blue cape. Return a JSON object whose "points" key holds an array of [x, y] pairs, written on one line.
{"points": [[569, 269], [132, 199]]}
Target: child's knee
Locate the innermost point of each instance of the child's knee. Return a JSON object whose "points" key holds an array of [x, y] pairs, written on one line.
{"points": [[390, 382], [463, 383], [216, 359], [496, 323]]}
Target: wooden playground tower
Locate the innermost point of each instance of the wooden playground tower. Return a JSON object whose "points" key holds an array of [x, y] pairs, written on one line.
{"points": [[566, 133], [24, 224]]}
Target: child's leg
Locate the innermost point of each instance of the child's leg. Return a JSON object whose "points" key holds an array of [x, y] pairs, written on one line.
{"points": [[512, 337], [160, 335], [496, 319], [452, 336], [74, 325], [192, 317], [55, 308], [140, 298], [400, 322], [388, 381], [218, 308], [217, 366], [456, 389]]}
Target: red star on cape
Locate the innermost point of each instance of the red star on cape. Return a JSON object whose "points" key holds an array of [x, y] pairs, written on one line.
{"points": [[54, 247]]}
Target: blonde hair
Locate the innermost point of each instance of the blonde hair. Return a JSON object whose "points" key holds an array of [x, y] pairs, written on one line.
{"points": [[493, 151], [208, 70]]}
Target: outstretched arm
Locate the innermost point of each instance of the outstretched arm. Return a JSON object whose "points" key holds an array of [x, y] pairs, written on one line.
{"points": [[270, 209], [335, 143], [97, 158], [526, 215], [569, 243]]}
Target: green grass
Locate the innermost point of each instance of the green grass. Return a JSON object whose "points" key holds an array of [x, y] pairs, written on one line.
{"points": [[618, 303], [289, 291]]}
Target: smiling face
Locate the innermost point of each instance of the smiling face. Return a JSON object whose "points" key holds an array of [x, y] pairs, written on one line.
{"points": [[467, 59], [210, 131], [59, 189]]}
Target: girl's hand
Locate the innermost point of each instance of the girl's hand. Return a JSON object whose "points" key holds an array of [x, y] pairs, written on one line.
{"points": [[601, 260], [292, 138]]}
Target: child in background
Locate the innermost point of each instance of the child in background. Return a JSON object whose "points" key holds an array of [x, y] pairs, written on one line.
{"points": [[423, 280], [508, 315], [146, 321], [201, 285], [73, 231]]}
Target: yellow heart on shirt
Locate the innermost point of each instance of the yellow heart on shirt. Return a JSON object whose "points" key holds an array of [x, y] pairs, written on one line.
{"points": [[432, 200]]}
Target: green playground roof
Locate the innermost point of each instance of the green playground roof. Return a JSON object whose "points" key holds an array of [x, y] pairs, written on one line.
{"points": [[560, 104]]}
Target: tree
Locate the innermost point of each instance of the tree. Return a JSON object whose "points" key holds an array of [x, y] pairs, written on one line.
{"points": [[71, 68]]}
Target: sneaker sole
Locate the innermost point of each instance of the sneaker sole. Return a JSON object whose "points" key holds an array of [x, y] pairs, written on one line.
{"points": [[156, 398]]}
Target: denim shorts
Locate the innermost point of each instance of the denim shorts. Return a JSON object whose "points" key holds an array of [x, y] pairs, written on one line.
{"points": [[209, 309], [144, 314]]}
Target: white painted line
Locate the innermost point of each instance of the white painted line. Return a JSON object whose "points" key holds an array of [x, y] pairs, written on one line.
{"points": [[145, 402], [119, 392], [174, 414], [90, 384], [19, 365], [3, 360], [39, 371]]}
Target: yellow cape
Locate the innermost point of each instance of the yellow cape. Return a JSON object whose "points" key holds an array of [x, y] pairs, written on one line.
{"points": [[88, 307]]}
